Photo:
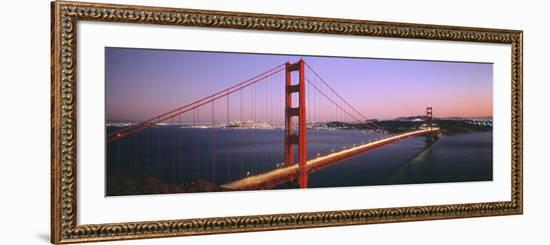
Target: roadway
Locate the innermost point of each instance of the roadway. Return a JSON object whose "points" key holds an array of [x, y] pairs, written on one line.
{"points": [[276, 175]]}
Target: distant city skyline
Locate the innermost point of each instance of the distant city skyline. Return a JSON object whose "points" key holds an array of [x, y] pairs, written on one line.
{"points": [[142, 83]]}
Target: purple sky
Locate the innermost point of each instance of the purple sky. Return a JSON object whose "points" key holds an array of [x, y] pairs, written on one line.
{"points": [[142, 83]]}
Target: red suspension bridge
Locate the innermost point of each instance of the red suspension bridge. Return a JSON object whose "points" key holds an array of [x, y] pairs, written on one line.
{"points": [[310, 105]]}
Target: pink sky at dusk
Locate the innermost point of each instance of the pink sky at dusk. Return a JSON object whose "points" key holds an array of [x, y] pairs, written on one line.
{"points": [[142, 83]]}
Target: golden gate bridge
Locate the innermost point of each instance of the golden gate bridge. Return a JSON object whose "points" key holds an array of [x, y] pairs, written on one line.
{"points": [[310, 103]]}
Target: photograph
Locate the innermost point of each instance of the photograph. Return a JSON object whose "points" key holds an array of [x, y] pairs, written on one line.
{"points": [[188, 121]]}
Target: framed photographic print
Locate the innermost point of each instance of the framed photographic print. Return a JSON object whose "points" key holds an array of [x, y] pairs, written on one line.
{"points": [[175, 122]]}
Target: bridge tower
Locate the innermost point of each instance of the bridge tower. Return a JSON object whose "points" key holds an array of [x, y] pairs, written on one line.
{"points": [[291, 138], [432, 136], [429, 117]]}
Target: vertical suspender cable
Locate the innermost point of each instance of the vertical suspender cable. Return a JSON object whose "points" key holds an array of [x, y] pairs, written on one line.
{"points": [[228, 165], [212, 150]]}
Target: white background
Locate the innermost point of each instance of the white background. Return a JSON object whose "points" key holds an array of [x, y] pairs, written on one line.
{"points": [[25, 121]]}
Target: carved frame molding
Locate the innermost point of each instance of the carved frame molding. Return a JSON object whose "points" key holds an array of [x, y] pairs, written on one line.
{"points": [[66, 15]]}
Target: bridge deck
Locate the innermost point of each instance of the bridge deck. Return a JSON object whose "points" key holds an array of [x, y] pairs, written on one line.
{"points": [[317, 163]]}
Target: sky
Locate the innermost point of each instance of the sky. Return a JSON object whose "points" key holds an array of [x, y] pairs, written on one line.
{"points": [[143, 83]]}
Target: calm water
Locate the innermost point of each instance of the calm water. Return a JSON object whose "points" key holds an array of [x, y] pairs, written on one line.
{"points": [[464, 157], [176, 155]]}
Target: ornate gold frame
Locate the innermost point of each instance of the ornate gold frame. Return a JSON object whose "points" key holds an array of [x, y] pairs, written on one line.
{"points": [[65, 15]]}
